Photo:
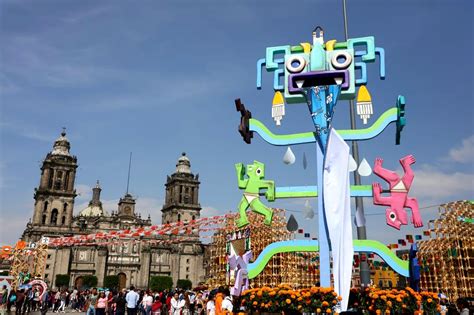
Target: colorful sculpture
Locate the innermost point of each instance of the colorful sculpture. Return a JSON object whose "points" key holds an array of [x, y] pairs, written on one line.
{"points": [[396, 215], [239, 264], [318, 75], [252, 185]]}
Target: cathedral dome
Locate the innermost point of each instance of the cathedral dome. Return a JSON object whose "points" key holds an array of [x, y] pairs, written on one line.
{"points": [[94, 209], [61, 145], [184, 165]]}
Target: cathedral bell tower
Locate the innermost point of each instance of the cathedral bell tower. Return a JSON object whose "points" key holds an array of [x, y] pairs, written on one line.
{"points": [[182, 191], [54, 198]]}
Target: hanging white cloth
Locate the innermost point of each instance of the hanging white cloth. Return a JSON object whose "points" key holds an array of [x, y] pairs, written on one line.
{"points": [[337, 203]]}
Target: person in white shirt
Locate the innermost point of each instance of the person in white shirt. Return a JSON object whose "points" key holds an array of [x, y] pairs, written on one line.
{"points": [[210, 306], [147, 302], [227, 305], [132, 301], [177, 304]]}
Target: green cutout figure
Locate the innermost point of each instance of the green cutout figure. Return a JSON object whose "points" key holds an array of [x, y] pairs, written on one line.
{"points": [[252, 185]]}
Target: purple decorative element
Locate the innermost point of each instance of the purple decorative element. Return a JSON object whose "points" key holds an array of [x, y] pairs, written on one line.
{"points": [[297, 82], [239, 263]]}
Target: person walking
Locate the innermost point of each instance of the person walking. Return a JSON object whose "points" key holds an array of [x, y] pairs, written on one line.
{"points": [[132, 301], [210, 306], [177, 304], [120, 304], [92, 301], [20, 299], [227, 305], [44, 303], [3, 299], [148, 302], [101, 306]]}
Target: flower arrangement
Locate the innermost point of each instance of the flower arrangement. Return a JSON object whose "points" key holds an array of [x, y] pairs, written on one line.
{"points": [[284, 298], [392, 301]]}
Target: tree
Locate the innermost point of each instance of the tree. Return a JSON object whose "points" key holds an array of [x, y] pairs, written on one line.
{"points": [[160, 283], [89, 281], [184, 284], [62, 281], [111, 282]]}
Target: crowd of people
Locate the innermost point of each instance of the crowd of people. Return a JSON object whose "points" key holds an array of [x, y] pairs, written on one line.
{"points": [[110, 302], [138, 302]]}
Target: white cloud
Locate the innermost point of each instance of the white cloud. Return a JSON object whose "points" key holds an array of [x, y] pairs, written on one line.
{"points": [[437, 186], [208, 211], [16, 225], [84, 192], [26, 130], [464, 153]]}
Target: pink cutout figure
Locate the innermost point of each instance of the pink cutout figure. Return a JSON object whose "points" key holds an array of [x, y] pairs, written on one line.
{"points": [[396, 215]]}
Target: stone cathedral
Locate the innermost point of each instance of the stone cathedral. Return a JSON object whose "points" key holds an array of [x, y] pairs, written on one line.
{"points": [[133, 262]]}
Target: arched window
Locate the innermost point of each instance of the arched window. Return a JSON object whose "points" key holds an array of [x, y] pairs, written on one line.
{"points": [[65, 207], [194, 217], [50, 179], [66, 181], [179, 217], [63, 220], [45, 206], [54, 216], [44, 219]]}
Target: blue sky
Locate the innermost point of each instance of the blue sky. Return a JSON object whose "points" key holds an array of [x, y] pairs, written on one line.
{"points": [[159, 78]]}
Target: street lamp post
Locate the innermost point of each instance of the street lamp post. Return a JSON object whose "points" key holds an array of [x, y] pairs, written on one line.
{"points": [[361, 229]]}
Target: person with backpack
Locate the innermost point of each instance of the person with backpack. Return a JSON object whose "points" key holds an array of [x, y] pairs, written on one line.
{"points": [[227, 304], [20, 299], [44, 303], [11, 300]]}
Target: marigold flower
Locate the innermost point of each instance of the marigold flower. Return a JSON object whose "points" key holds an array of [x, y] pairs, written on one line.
{"points": [[430, 300], [293, 296], [288, 301], [254, 303], [328, 311], [325, 304], [339, 298], [378, 312], [318, 310], [252, 297]]}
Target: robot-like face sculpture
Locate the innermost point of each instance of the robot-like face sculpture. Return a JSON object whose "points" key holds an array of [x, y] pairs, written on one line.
{"points": [[319, 64], [256, 170]]}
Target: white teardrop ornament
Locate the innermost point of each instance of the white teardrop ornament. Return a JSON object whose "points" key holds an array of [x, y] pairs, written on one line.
{"points": [[289, 157], [364, 168], [352, 164]]}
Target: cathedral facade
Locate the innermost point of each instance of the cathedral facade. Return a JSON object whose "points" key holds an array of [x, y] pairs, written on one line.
{"points": [[133, 262]]}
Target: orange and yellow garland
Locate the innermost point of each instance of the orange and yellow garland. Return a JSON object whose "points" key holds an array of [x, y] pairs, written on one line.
{"points": [[284, 298], [392, 301]]}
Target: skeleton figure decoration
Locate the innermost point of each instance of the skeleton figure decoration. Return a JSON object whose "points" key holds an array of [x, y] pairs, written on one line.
{"points": [[396, 215], [239, 264], [252, 185]]}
